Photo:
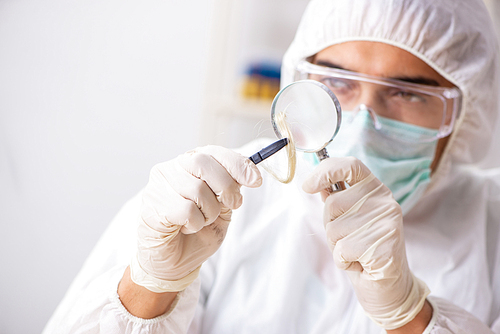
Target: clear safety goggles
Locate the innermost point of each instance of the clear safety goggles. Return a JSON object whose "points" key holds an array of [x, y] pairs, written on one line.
{"points": [[430, 107]]}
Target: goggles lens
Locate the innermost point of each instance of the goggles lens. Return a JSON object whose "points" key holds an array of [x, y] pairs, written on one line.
{"points": [[421, 105]]}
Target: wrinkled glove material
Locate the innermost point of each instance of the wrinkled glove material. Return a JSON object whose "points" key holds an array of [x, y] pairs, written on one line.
{"points": [[364, 227], [185, 213]]}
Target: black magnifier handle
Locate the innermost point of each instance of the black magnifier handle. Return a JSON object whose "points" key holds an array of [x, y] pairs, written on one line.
{"points": [[322, 155], [266, 152]]}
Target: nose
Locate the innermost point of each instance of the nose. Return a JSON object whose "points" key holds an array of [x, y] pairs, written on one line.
{"points": [[371, 112], [371, 96], [370, 99]]}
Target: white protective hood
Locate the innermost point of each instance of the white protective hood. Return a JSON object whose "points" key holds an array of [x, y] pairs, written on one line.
{"points": [[456, 38]]}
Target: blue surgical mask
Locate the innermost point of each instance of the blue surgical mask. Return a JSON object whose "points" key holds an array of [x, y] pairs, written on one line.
{"points": [[403, 166]]}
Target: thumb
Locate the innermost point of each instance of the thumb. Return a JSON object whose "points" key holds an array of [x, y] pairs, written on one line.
{"points": [[333, 170]]}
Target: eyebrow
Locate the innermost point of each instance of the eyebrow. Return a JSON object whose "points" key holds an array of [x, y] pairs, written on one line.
{"points": [[416, 80]]}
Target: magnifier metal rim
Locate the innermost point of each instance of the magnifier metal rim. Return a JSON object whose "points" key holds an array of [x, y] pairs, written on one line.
{"points": [[332, 96]]}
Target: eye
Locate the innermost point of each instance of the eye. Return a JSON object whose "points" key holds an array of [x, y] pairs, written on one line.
{"points": [[408, 96], [337, 85]]}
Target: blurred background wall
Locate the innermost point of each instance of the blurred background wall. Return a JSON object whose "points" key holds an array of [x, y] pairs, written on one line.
{"points": [[92, 95]]}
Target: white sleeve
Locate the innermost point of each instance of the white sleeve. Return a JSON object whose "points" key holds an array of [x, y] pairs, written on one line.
{"points": [[91, 304], [450, 319]]}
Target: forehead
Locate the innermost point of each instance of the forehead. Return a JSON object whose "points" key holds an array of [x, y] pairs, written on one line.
{"points": [[379, 59]]}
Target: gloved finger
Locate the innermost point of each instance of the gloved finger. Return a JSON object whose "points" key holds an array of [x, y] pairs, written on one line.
{"points": [[379, 223], [348, 250], [224, 171], [212, 175], [340, 202], [357, 251], [348, 211], [333, 170], [181, 198], [344, 263], [225, 214], [195, 249], [366, 202]]}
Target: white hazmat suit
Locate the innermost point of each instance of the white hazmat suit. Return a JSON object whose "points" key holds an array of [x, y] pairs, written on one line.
{"points": [[274, 272]]}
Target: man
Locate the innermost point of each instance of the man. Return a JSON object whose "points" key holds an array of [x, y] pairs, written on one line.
{"points": [[414, 238]]}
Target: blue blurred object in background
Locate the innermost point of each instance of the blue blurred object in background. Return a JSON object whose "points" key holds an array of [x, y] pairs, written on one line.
{"points": [[262, 80]]}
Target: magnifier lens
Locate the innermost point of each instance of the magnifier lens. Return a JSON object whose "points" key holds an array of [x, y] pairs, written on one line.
{"points": [[312, 114]]}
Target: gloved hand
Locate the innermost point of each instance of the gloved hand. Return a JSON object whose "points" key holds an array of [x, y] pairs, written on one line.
{"points": [[185, 213], [364, 227]]}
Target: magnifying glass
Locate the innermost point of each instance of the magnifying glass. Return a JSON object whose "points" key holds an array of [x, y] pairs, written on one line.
{"points": [[313, 116]]}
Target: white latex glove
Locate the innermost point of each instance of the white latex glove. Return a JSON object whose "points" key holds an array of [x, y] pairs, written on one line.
{"points": [[185, 213], [364, 227]]}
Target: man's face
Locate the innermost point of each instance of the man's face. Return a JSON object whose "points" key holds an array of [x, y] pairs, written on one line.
{"points": [[383, 60]]}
